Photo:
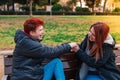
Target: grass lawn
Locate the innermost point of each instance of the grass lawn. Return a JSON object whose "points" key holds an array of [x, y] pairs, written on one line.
{"points": [[58, 29]]}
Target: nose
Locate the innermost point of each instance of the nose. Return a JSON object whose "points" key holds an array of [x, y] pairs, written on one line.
{"points": [[43, 32], [89, 34]]}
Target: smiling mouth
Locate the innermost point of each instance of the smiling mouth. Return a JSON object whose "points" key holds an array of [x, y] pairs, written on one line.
{"points": [[40, 35]]}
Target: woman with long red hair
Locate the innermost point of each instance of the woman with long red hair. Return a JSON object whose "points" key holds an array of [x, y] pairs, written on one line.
{"points": [[96, 56]]}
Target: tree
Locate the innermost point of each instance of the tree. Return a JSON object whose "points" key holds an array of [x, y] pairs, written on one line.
{"points": [[71, 3], [53, 1], [80, 2], [13, 8], [27, 3], [8, 3], [3, 2], [116, 3], [40, 2], [104, 6], [21, 1], [92, 4], [45, 2], [31, 3], [113, 3]]}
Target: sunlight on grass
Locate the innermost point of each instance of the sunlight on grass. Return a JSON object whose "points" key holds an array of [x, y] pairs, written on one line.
{"points": [[58, 29]]}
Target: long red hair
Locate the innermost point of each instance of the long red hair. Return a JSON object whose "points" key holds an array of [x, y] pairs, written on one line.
{"points": [[101, 32]]}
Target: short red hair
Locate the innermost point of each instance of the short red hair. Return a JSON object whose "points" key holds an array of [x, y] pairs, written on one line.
{"points": [[32, 24]]}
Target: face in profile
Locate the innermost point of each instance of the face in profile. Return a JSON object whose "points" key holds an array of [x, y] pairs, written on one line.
{"points": [[38, 33], [91, 34]]}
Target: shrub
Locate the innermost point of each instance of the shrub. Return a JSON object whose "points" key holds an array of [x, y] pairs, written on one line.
{"points": [[117, 9], [27, 8], [57, 7], [79, 9], [66, 9]]}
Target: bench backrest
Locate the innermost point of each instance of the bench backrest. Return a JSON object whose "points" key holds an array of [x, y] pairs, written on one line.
{"points": [[69, 63], [117, 59]]}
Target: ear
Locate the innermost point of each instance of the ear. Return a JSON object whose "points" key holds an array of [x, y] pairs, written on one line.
{"points": [[31, 33]]}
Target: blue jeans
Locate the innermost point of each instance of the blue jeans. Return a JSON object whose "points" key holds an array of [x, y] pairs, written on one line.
{"points": [[54, 68], [93, 77]]}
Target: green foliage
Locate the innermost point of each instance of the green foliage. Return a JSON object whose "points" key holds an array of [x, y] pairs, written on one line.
{"points": [[116, 36], [2, 2], [27, 8], [57, 7], [41, 2], [71, 2], [79, 9], [66, 8], [85, 10], [21, 1], [54, 1], [92, 3], [117, 9]]}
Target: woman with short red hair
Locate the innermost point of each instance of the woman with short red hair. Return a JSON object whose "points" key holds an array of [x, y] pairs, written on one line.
{"points": [[96, 56], [29, 53]]}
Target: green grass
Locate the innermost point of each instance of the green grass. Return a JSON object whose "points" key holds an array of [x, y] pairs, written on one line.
{"points": [[58, 29]]}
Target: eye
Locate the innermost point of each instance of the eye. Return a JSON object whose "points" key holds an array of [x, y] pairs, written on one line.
{"points": [[40, 29], [92, 33]]}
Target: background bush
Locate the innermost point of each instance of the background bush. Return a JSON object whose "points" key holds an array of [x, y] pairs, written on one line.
{"points": [[27, 8], [79, 9], [117, 9], [66, 9], [57, 7]]}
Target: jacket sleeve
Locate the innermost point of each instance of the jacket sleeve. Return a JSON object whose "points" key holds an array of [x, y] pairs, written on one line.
{"points": [[37, 50], [90, 61], [83, 44]]}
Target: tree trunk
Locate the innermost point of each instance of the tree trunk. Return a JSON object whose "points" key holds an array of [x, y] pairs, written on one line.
{"points": [[31, 2], [4, 7], [13, 7], [93, 8], [80, 3], [104, 6], [8, 7]]}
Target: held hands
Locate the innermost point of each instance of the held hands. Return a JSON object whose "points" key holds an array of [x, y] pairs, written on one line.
{"points": [[74, 47]]}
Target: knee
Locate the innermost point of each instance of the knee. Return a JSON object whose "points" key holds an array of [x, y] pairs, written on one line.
{"points": [[57, 60]]}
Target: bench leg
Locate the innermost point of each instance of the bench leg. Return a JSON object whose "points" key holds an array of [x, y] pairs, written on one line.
{"points": [[4, 77]]}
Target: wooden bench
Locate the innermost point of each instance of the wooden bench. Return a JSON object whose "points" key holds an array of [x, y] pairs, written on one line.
{"points": [[117, 54], [69, 63]]}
